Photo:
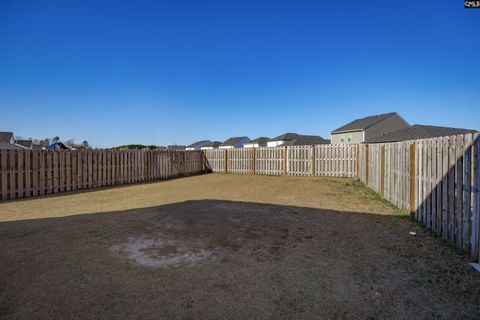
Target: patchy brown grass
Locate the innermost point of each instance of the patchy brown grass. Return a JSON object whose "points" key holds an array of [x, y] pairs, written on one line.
{"points": [[326, 193], [227, 246]]}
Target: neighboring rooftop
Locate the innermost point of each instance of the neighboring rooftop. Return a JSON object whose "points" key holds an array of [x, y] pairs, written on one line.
{"points": [[364, 123], [419, 131], [234, 140], [260, 140], [175, 147], [285, 137], [213, 144], [303, 140], [4, 145], [199, 144], [25, 143], [6, 137]]}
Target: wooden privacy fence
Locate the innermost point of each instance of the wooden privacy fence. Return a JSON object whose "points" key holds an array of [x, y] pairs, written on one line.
{"points": [[318, 160], [26, 173], [437, 180]]}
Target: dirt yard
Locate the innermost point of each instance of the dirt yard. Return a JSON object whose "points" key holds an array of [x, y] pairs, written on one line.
{"points": [[227, 247]]}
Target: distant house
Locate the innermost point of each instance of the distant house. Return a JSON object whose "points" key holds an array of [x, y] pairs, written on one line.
{"points": [[295, 139], [7, 141], [257, 143], [28, 144], [418, 131], [211, 145], [281, 139], [234, 142], [175, 147], [365, 129], [197, 145], [304, 140]]}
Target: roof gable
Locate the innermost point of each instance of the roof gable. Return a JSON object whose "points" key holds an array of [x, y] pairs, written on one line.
{"points": [[235, 140], [259, 140], [199, 144], [285, 137], [363, 123]]}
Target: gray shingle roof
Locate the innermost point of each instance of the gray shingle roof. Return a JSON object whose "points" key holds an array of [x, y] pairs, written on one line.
{"points": [[5, 137], [213, 144], [285, 136], [303, 140], [295, 139], [418, 131], [234, 140], [25, 143], [364, 123], [199, 144], [260, 140], [4, 145]]}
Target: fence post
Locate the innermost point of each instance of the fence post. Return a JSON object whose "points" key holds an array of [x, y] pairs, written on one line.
{"points": [[357, 165], [382, 171], [412, 179], [285, 159], [313, 160], [254, 160], [226, 161], [366, 164]]}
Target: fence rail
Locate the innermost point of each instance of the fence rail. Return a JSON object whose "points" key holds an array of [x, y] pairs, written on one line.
{"points": [[27, 173], [319, 160]]}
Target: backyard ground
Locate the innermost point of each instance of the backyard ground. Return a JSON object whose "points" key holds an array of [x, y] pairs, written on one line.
{"points": [[227, 247]]}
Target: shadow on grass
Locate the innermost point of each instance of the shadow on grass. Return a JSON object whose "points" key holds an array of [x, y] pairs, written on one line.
{"points": [[227, 259]]}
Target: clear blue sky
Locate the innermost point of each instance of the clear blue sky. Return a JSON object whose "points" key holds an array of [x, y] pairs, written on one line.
{"points": [[163, 72]]}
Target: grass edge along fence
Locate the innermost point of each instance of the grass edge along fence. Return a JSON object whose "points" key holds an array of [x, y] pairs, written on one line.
{"points": [[29, 173], [437, 180]]}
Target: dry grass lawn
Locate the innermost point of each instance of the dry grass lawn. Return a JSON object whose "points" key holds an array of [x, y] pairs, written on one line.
{"points": [[227, 247]]}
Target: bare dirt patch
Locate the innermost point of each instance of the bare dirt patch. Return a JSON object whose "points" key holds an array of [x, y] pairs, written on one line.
{"points": [[242, 259]]}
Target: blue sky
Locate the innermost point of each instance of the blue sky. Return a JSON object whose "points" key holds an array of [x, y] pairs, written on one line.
{"points": [[163, 72]]}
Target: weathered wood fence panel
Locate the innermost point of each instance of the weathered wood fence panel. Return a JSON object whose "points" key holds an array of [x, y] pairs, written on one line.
{"points": [[336, 160], [436, 179], [319, 160], [270, 161], [300, 160], [240, 160], [26, 173], [216, 159]]}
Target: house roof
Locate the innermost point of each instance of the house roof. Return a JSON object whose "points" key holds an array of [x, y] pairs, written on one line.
{"points": [[199, 144], [261, 140], [175, 147], [5, 145], [364, 123], [5, 137], [303, 140], [234, 140], [213, 144], [419, 131], [25, 143], [285, 137]]}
